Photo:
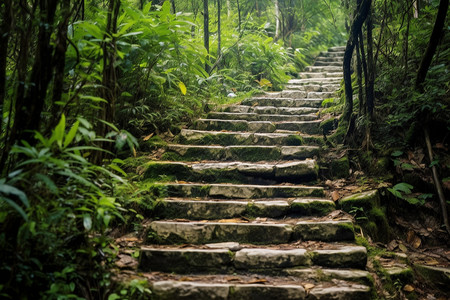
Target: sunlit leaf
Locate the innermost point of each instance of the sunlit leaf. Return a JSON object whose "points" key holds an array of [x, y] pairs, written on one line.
{"points": [[182, 87]]}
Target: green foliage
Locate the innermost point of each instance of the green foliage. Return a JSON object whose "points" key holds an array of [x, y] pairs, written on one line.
{"points": [[59, 208]]}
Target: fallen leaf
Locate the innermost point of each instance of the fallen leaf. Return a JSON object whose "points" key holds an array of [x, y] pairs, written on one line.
{"points": [[335, 196], [257, 281], [308, 286], [410, 236], [146, 138], [403, 248], [233, 279], [236, 220], [431, 262], [187, 279], [392, 245], [408, 288], [416, 242]]}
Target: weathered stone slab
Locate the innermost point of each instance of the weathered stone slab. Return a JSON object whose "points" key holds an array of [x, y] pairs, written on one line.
{"points": [[438, 276], [298, 152], [266, 292], [312, 207], [232, 246], [269, 258], [319, 274], [324, 230], [201, 209], [183, 260], [234, 125], [324, 63], [344, 257], [321, 95], [175, 290], [354, 292], [261, 117], [308, 127], [307, 169], [210, 232], [283, 102]]}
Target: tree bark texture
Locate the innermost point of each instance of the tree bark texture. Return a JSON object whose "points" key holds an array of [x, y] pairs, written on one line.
{"points": [[206, 30], [432, 45], [353, 39]]}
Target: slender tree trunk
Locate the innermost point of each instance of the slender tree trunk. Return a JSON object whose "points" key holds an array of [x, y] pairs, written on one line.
{"points": [[432, 45], [371, 67], [239, 15], [353, 39], [5, 33], [277, 20], [219, 32], [228, 9], [174, 9], [359, 79], [206, 31]]}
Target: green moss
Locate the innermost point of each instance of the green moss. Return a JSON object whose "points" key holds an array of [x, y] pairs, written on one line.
{"points": [[317, 208], [294, 140], [328, 125], [172, 156], [365, 200], [340, 168], [157, 169], [154, 143]]}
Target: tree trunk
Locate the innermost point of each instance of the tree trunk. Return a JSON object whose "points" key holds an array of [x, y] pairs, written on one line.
{"points": [[228, 9], [359, 79], [277, 21], [5, 28], [206, 31], [432, 45], [219, 33], [354, 32], [239, 15], [174, 9], [371, 68]]}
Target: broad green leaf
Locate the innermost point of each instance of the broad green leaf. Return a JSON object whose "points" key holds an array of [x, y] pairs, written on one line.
{"points": [[71, 135], [14, 205], [58, 133], [87, 222], [396, 153], [48, 182], [403, 187], [182, 87], [7, 189]]}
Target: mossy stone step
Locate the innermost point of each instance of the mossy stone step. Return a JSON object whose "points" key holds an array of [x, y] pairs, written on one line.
{"points": [[271, 110], [240, 152], [282, 102], [320, 75], [326, 63], [260, 117], [315, 87], [259, 260], [324, 274], [332, 54], [177, 290], [234, 125], [204, 209], [317, 81], [308, 127], [337, 49], [201, 137], [323, 69], [241, 191], [330, 59], [171, 232], [244, 172], [322, 95]]}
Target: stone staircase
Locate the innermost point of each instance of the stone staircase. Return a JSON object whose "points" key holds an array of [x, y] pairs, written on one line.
{"points": [[243, 217]]}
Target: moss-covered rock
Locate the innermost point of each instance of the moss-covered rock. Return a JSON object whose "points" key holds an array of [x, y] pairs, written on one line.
{"points": [[340, 168], [369, 214], [328, 125]]}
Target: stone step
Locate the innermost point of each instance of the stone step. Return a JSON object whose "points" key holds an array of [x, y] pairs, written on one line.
{"points": [[315, 81], [331, 64], [321, 75], [271, 110], [260, 117], [337, 49], [201, 137], [254, 232], [322, 95], [244, 172], [332, 54], [323, 69], [320, 274], [211, 209], [339, 59], [222, 289], [315, 87], [260, 260], [241, 191], [282, 102], [240, 152], [308, 127]]}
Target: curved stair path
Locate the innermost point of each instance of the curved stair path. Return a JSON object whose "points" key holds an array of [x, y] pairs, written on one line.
{"points": [[243, 218]]}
